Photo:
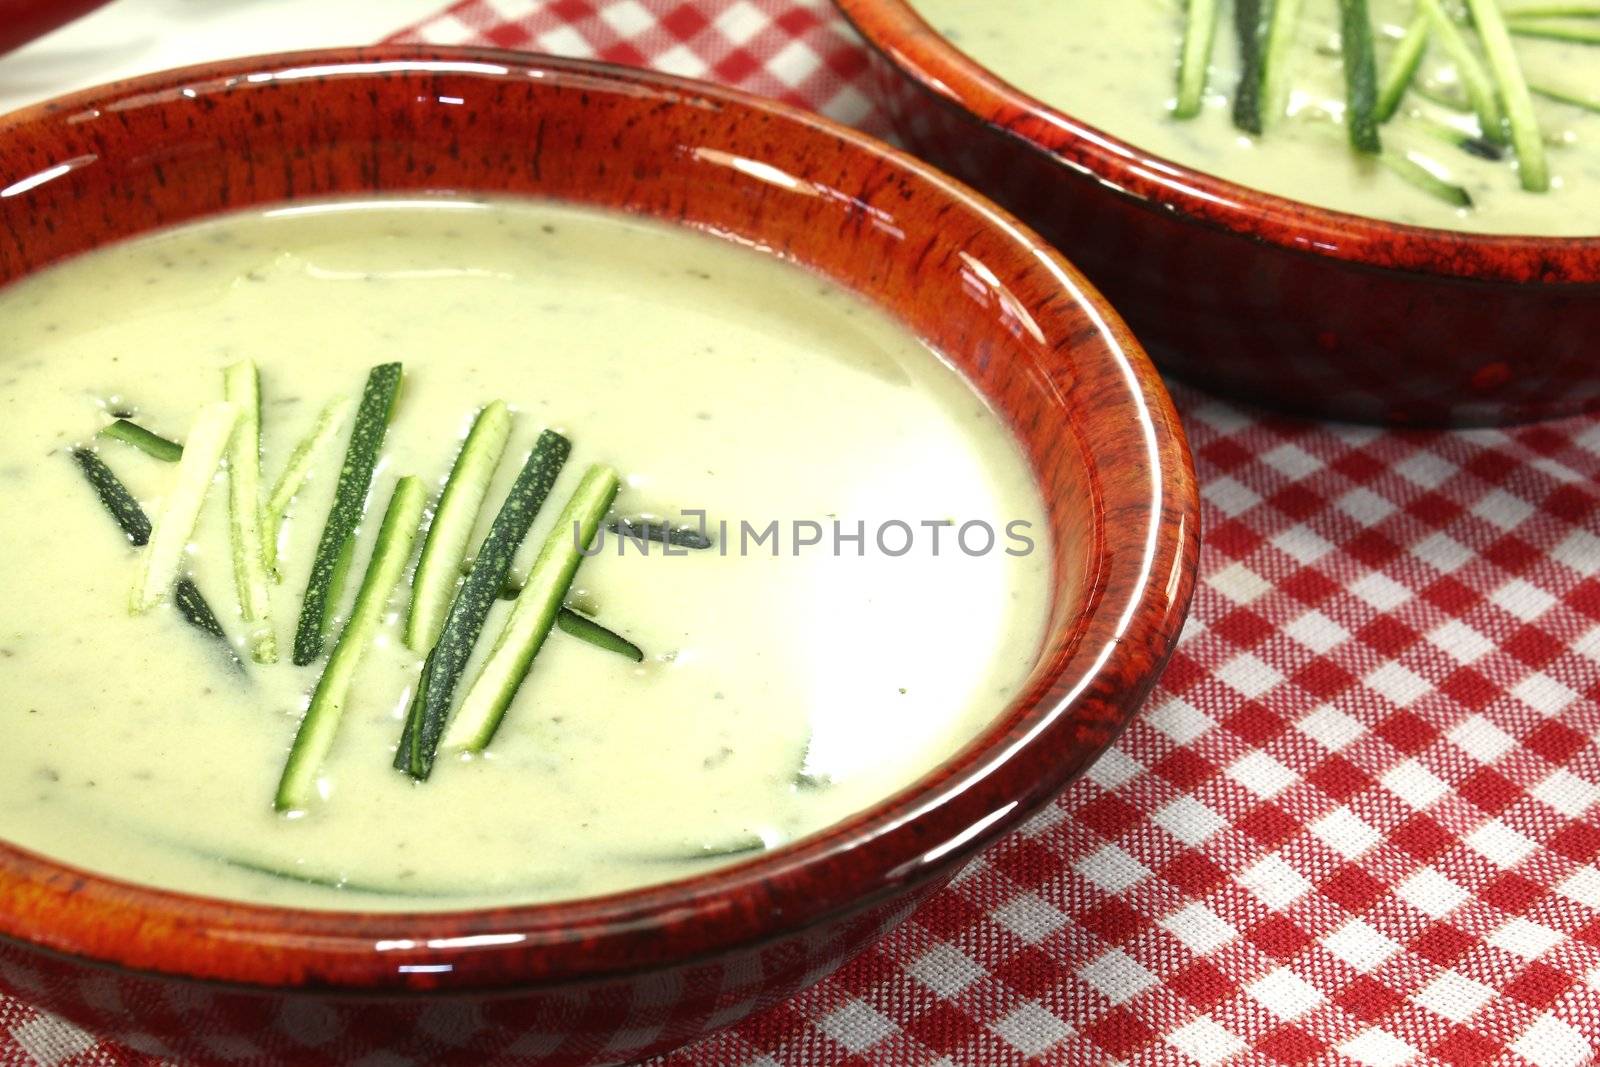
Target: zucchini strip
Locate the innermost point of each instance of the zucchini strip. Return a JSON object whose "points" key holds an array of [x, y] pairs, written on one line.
{"points": [[430, 704], [1532, 167], [186, 597], [329, 880], [405, 886], [349, 501], [1252, 22], [1550, 30], [741, 845], [1444, 100], [1541, 10], [1469, 143], [135, 524], [241, 383], [1276, 66], [418, 886], [115, 496], [1420, 172], [660, 532], [419, 883], [390, 555], [1474, 78], [1360, 76], [1194, 62], [1420, 176], [1565, 96], [1402, 68], [586, 629], [151, 444], [169, 536], [534, 612], [439, 569], [329, 423]]}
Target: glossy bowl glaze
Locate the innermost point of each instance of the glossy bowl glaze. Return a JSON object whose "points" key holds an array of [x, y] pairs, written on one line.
{"points": [[613, 978], [1245, 293]]}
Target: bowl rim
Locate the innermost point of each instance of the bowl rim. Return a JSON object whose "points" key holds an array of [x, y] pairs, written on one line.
{"points": [[918, 51], [67, 911]]}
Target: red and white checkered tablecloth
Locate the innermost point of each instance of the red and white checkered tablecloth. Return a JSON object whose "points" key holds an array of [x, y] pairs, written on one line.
{"points": [[1357, 823]]}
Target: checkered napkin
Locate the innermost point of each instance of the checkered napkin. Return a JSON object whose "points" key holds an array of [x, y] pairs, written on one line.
{"points": [[1357, 823], [797, 51]]}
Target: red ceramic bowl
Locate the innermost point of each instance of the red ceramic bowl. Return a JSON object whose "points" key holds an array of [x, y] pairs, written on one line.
{"points": [[613, 978], [1246, 293], [23, 20]]}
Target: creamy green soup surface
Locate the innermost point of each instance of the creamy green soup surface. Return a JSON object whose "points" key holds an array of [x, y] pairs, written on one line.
{"points": [[778, 694], [1112, 65]]}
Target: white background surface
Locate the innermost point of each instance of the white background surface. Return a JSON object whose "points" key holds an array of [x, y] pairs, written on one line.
{"points": [[130, 37]]}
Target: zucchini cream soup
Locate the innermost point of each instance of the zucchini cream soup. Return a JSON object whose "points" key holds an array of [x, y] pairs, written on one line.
{"points": [[1479, 116], [277, 618]]}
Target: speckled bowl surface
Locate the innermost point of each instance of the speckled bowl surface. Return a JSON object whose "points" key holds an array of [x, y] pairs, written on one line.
{"points": [[1246, 293], [614, 978]]}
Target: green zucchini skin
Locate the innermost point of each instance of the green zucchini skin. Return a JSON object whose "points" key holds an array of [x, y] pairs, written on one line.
{"points": [[1411, 171], [586, 629], [1252, 23], [193, 606], [1194, 59], [430, 705], [151, 444], [1360, 76], [135, 524], [349, 501], [390, 554], [187, 598], [1471, 144], [660, 532], [115, 496], [439, 569], [534, 613]]}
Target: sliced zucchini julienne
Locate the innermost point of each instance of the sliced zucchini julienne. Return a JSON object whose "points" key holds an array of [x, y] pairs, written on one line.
{"points": [[242, 387], [162, 559], [390, 555], [439, 569], [533, 613], [349, 502], [329, 423]]}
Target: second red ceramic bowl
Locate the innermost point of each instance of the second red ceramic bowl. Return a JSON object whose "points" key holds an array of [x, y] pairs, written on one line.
{"points": [[1245, 293], [23, 20], [615, 978]]}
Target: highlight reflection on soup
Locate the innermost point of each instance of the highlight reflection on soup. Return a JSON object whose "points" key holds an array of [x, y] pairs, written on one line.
{"points": [[434, 470]]}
